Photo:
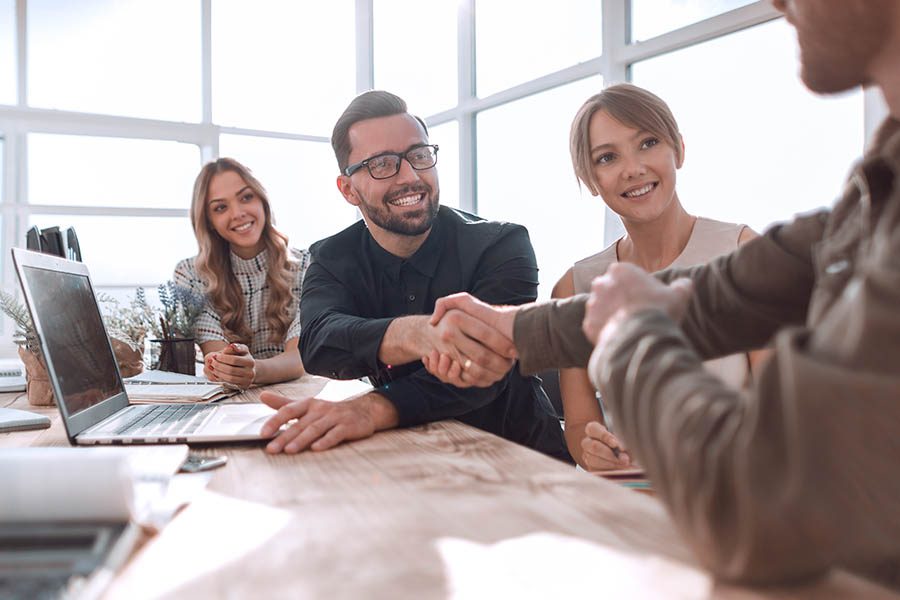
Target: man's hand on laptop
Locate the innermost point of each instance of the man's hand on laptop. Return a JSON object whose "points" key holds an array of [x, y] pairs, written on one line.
{"points": [[233, 365], [316, 424]]}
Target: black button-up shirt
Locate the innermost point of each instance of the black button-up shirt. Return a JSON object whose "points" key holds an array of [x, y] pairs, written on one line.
{"points": [[354, 288]]}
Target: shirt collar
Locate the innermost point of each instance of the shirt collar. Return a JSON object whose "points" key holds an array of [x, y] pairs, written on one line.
{"points": [[424, 260], [250, 266]]}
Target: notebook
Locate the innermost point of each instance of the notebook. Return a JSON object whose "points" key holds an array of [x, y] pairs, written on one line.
{"points": [[92, 400]]}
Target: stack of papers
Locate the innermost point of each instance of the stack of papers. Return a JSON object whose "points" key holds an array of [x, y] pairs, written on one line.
{"points": [[163, 386]]}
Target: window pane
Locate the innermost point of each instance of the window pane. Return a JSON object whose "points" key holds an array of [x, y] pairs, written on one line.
{"points": [[128, 250], [282, 66], [300, 180], [446, 136], [514, 44], [756, 148], [7, 52], [650, 18], [122, 57], [422, 69], [525, 176], [76, 170]]}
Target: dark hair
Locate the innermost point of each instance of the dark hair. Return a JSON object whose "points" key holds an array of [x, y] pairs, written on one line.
{"points": [[629, 105], [368, 105]]}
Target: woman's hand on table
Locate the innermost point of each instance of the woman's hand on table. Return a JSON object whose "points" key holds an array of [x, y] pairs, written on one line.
{"points": [[233, 365], [601, 450]]}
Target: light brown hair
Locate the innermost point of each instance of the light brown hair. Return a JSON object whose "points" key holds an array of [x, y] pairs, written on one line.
{"points": [[214, 260], [631, 106]]}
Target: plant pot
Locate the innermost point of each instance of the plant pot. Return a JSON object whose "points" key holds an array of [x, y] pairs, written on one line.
{"points": [[177, 355], [130, 360], [37, 382]]}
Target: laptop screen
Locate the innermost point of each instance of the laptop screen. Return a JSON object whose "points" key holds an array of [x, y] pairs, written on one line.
{"points": [[73, 336]]}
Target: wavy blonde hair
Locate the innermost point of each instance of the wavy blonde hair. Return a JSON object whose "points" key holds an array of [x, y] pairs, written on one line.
{"points": [[214, 260]]}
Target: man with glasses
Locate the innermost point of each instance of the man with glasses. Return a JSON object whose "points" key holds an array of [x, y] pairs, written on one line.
{"points": [[369, 292]]}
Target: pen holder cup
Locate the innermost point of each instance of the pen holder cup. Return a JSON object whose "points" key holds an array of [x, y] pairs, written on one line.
{"points": [[37, 382], [177, 355]]}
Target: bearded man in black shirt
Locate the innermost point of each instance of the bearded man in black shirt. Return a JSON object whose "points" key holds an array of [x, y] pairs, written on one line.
{"points": [[370, 290]]}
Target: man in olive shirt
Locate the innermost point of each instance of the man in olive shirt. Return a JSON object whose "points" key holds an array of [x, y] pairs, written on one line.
{"points": [[798, 474]]}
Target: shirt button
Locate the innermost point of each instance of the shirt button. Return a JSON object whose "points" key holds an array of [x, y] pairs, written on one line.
{"points": [[411, 298]]}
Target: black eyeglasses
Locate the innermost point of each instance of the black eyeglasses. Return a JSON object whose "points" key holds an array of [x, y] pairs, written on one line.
{"points": [[385, 166]]}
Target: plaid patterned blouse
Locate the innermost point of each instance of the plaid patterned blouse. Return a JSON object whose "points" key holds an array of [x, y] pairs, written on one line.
{"points": [[251, 274]]}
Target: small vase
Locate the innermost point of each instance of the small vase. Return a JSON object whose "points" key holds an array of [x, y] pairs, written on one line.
{"points": [[177, 355], [37, 382]]}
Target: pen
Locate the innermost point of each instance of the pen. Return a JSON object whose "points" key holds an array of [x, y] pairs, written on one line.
{"points": [[616, 451]]}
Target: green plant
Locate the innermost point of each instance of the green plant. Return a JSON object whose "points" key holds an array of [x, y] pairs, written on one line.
{"points": [[128, 323], [181, 307], [15, 310]]}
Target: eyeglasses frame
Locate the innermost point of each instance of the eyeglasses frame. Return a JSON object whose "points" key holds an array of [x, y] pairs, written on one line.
{"points": [[351, 169]]}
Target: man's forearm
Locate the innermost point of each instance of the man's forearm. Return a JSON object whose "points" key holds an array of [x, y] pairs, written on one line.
{"points": [[404, 340], [548, 335]]}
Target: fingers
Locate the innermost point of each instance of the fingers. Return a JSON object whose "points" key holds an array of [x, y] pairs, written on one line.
{"points": [[335, 436], [301, 435], [447, 303], [236, 349], [602, 450], [287, 410]]}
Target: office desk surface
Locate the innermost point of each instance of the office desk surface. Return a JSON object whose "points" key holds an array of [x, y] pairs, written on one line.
{"points": [[439, 511]]}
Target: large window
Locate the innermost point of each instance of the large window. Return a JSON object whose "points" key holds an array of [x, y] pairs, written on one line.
{"points": [[75, 170], [650, 18], [525, 175], [7, 52], [124, 100], [756, 148], [120, 57], [515, 43], [415, 53], [282, 66]]}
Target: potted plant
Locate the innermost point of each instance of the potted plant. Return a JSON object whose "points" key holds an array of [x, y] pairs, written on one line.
{"points": [[174, 331], [37, 382], [127, 327]]}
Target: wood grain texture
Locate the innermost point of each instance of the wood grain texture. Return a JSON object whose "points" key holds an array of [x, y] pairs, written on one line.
{"points": [[438, 511]]}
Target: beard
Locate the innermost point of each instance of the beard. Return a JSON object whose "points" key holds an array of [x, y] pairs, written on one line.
{"points": [[836, 53], [411, 223]]}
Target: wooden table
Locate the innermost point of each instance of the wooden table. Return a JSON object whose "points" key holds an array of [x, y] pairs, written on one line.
{"points": [[439, 511]]}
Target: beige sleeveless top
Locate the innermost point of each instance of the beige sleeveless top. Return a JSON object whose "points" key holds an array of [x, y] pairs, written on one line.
{"points": [[709, 239]]}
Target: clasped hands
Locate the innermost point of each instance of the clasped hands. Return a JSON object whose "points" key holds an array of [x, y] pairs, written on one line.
{"points": [[232, 365], [478, 348]]}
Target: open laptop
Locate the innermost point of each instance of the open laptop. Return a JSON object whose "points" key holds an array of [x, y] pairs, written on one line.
{"points": [[85, 376]]}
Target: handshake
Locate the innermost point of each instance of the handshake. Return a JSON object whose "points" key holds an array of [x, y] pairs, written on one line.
{"points": [[469, 343]]}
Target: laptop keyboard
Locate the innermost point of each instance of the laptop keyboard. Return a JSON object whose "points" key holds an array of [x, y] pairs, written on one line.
{"points": [[162, 419]]}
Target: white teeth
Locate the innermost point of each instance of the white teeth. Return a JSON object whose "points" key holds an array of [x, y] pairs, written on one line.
{"points": [[640, 191], [243, 228], [407, 200]]}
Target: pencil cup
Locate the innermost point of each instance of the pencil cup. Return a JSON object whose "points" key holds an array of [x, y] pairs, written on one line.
{"points": [[177, 355]]}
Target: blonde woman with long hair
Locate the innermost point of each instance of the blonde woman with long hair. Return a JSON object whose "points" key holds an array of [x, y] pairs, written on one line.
{"points": [[250, 328]]}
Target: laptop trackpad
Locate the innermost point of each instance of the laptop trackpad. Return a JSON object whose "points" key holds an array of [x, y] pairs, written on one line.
{"points": [[245, 419]]}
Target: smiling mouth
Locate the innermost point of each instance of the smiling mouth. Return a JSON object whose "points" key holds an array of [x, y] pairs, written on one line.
{"points": [[407, 199], [641, 191], [243, 227]]}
